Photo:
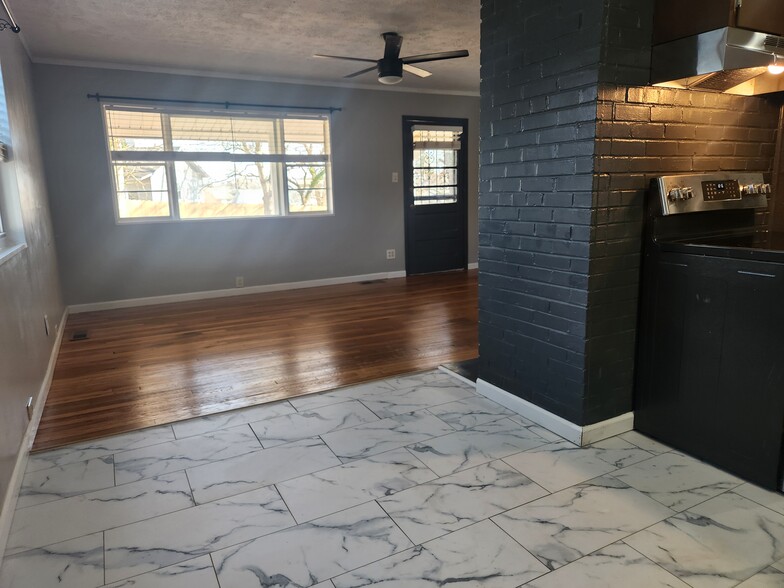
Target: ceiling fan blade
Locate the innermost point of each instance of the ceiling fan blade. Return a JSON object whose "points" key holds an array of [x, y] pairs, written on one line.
{"points": [[417, 71], [392, 44], [344, 58], [436, 56], [360, 72]]}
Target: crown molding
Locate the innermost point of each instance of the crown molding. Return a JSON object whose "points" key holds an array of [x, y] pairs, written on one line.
{"points": [[246, 77]]}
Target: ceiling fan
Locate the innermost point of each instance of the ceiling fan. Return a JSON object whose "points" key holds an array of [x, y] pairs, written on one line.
{"points": [[391, 66]]}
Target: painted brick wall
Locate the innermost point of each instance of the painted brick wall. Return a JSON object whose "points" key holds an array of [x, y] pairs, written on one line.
{"points": [[569, 140], [642, 133], [538, 123]]}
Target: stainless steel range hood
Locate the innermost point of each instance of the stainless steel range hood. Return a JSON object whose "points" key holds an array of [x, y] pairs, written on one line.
{"points": [[729, 60]]}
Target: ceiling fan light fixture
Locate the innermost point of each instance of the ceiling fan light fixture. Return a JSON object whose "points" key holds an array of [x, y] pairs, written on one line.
{"points": [[390, 71], [390, 79]]}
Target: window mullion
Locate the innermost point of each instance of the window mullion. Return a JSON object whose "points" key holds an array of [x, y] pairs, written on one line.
{"points": [[171, 172], [280, 146]]}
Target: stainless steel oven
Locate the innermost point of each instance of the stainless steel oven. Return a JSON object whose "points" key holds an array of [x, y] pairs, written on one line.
{"points": [[710, 365]]}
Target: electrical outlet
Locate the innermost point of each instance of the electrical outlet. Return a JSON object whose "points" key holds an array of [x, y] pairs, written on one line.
{"points": [[395, 178], [390, 254], [46, 324], [239, 282]]}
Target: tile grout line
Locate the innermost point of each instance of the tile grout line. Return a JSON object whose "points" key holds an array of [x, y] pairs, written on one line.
{"points": [[103, 554], [439, 477], [102, 530], [286, 504], [765, 506], [252, 430], [371, 410], [71, 445], [320, 437], [175, 438], [413, 546], [391, 518], [523, 547], [416, 457], [620, 539], [424, 484], [653, 562], [170, 426], [677, 513], [190, 486], [190, 558], [214, 569]]}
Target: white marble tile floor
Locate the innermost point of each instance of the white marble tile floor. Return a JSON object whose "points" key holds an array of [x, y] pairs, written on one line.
{"points": [[405, 482]]}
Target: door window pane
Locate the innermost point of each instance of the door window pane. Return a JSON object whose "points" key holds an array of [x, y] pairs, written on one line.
{"points": [[435, 166], [435, 158], [435, 177]]}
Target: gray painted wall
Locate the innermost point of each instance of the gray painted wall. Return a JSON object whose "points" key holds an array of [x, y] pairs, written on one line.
{"points": [[101, 260], [28, 280]]}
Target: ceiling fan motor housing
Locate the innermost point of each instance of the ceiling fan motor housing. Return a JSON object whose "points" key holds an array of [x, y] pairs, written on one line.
{"points": [[390, 71]]}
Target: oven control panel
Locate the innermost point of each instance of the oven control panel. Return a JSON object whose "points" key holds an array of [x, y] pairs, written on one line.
{"points": [[712, 191], [721, 190]]}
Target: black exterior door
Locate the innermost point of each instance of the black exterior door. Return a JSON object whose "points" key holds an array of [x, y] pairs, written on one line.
{"points": [[435, 179]]}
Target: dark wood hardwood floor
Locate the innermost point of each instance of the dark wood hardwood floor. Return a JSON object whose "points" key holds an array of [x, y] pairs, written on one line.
{"points": [[158, 364]]}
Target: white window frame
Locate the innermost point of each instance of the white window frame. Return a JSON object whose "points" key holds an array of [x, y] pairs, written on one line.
{"points": [[169, 158]]}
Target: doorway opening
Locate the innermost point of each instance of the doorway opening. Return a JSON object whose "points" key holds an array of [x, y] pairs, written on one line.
{"points": [[435, 181]]}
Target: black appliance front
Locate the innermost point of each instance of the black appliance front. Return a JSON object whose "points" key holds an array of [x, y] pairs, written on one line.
{"points": [[710, 367]]}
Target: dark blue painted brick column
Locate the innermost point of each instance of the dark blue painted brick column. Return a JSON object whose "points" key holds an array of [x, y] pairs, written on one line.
{"points": [[540, 75], [569, 140]]}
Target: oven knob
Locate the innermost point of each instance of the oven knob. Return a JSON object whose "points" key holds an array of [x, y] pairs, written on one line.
{"points": [[749, 190], [766, 189], [675, 194], [688, 193]]}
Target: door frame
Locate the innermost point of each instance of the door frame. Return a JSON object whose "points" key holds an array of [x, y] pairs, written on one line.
{"points": [[408, 180]]}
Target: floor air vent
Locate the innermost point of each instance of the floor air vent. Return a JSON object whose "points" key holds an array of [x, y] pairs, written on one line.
{"points": [[79, 336], [366, 282]]}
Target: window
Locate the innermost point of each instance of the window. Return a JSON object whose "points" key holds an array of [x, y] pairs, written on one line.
{"points": [[181, 164], [435, 164], [10, 210]]}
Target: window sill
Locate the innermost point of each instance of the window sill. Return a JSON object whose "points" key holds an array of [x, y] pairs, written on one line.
{"points": [[10, 249], [165, 220]]}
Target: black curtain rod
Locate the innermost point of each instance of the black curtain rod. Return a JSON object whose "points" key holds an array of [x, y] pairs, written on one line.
{"points": [[227, 105]]}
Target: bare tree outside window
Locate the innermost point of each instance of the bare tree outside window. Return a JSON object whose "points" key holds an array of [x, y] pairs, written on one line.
{"points": [[217, 165]]}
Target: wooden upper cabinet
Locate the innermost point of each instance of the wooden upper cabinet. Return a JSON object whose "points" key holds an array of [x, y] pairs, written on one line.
{"points": [[675, 19], [765, 16]]}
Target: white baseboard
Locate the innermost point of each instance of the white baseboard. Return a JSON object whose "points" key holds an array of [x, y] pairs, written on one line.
{"points": [[12, 492], [474, 265], [579, 435], [204, 295]]}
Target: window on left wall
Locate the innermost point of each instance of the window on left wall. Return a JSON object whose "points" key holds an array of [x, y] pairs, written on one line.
{"points": [[170, 164]]}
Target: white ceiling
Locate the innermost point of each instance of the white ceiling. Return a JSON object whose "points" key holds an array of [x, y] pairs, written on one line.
{"points": [[264, 38]]}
